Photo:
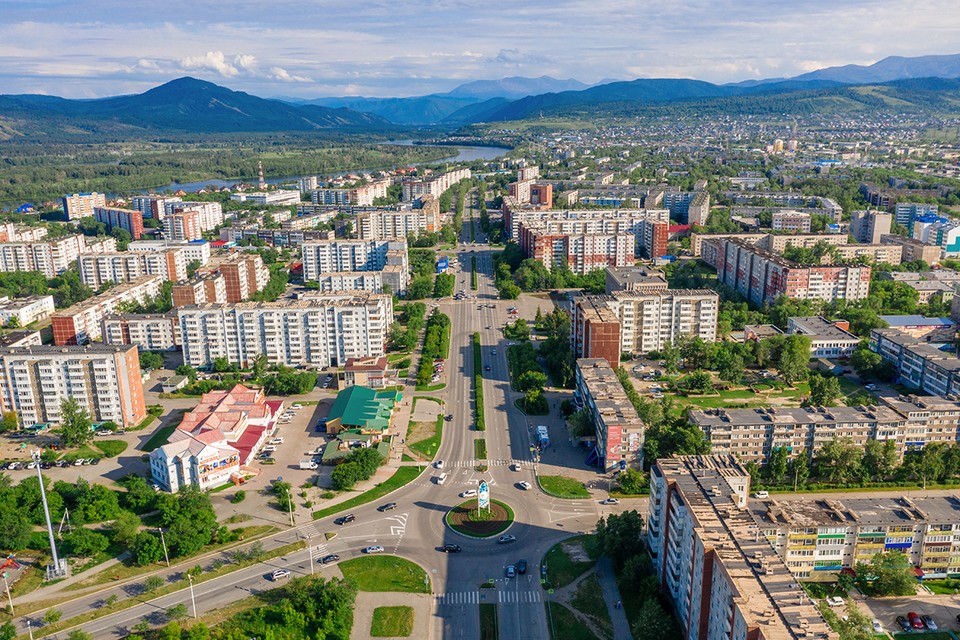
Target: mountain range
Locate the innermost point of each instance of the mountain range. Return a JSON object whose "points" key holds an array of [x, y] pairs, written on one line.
{"points": [[189, 106]]}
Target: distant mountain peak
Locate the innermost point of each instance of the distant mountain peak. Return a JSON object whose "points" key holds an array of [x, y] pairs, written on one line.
{"points": [[515, 87]]}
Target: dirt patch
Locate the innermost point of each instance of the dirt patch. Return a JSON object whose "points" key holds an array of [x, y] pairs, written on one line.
{"points": [[575, 551], [417, 431]]}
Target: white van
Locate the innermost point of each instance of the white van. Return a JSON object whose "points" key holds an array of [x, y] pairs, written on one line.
{"points": [[441, 478]]}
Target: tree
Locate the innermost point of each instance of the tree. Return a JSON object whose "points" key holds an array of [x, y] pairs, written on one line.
{"points": [[187, 370], [74, 424], [52, 616], [222, 365], [838, 460], [124, 528], [732, 370], [632, 481], [530, 380], [421, 287], [653, 623], [190, 519], [824, 390], [777, 464], [151, 360], [10, 421], [258, 365], [86, 542], [79, 634], [621, 536], [8, 631], [880, 458], [147, 549], [794, 358], [152, 583], [177, 612], [581, 424], [888, 573], [123, 237]]}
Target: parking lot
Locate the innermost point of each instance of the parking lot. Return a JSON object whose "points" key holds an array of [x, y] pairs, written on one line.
{"points": [[943, 609]]}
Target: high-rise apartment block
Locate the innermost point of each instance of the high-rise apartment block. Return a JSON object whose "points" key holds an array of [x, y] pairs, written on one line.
{"points": [[244, 274], [189, 220], [99, 268], [280, 197], [307, 183], [103, 379], [154, 206], [318, 331], [362, 196], [53, 257], [150, 331], [761, 276], [869, 226], [82, 322], [568, 222], [82, 205], [618, 428], [919, 365], [656, 234], [383, 223], [690, 207], [193, 250], [790, 221], [10, 232], [634, 279], [115, 217], [334, 256], [906, 212], [434, 186], [913, 250], [724, 578], [578, 253], [205, 288], [351, 281]]}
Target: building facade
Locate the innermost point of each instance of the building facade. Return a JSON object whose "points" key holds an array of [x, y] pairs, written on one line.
{"points": [[579, 254], [388, 224], [790, 221], [619, 430], [416, 187], [827, 339], [919, 365], [82, 205], [334, 256], [115, 217], [82, 322], [868, 227], [53, 257], [20, 312], [96, 269], [150, 331]]}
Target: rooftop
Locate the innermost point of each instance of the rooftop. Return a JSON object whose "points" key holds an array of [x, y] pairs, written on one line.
{"points": [[793, 415], [876, 510], [92, 348], [819, 327], [320, 300], [113, 292], [607, 392], [916, 321], [365, 408]]}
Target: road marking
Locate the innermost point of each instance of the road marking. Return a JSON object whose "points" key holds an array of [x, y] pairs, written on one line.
{"points": [[458, 597], [518, 597]]}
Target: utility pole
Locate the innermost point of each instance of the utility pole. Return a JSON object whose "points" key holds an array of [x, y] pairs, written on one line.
{"points": [[59, 568], [30, 629], [310, 552], [290, 507], [192, 599], [164, 543], [9, 597]]}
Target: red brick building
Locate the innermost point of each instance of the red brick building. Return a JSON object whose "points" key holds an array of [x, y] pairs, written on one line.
{"points": [[128, 219], [595, 331]]}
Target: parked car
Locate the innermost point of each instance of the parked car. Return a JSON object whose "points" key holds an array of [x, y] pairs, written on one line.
{"points": [[905, 624], [928, 620], [373, 549], [387, 507], [452, 548], [610, 501], [486, 368], [877, 627], [915, 620], [506, 538], [330, 558], [345, 519], [761, 495], [521, 566], [279, 574], [835, 601]]}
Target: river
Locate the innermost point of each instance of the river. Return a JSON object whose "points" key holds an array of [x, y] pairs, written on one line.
{"points": [[463, 154]]}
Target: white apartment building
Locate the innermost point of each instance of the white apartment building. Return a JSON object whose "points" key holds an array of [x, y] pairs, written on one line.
{"points": [[334, 256], [434, 186], [724, 580], [383, 224], [317, 332], [53, 257], [362, 196], [208, 214], [81, 205], [566, 222], [307, 183], [155, 206], [198, 250], [150, 331], [97, 269], [791, 221], [105, 380], [279, 197], [351, 281], [651, 320], [81, 322], [23, 311]]}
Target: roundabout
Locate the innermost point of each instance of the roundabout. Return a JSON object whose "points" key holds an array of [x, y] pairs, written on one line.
{"points": [[465, 519]]}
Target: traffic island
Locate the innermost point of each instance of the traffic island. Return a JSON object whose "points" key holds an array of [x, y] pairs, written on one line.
{"points": [[467, 520]]}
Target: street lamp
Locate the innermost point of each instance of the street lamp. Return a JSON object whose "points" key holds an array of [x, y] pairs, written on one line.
{"points": [[310, 552], [9, 597], [164, 543], [193, 600]]}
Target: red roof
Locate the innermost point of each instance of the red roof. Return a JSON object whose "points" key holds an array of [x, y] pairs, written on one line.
{"points": [[677, 228], [218, 243], [247, 442]]}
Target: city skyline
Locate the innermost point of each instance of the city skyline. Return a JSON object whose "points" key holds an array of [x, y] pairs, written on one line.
{"points": [[95, 49]]}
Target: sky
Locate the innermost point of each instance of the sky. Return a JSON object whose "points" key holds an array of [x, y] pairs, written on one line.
{"points": [[305, 49]]}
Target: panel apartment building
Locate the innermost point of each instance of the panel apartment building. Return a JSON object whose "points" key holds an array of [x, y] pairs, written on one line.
{"points": [[641, 321], [579, 253], [724, 580], [566, 222], [188, 220], [317, 331], [619, 430], [388, 256], [104, 380], [363, 195], [150, 331], [387, 224], [869, 227], [82, 205], [53, 257], [115, 217], [154, 206], [123, 266], [761, 276], [919, 365], [434, 186], [82, 322]]}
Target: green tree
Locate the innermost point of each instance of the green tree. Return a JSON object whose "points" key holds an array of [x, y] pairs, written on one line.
{"points": [[621, 536], [838, 460], [74, 424], [86, 542], [10, 421], [888, 573], [258, 366], [52, 616], [152, 583], [124, 528], [151, 360], [177, 612], [824, 390], [777, 464], [8, 631], [794, 358], [732, 370], [187, 370], [190, 519], [581, 424], [632, 481], [147, 549], [421, 287], [531, 380], [880, 458], [653, 623]]}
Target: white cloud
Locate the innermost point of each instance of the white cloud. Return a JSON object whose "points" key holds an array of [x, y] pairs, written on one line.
{"points": [[284, 76], [246, 62], [212, 61]]}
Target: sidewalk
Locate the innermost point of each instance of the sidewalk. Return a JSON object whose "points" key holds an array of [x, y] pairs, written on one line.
{"points": [[611, 595]]}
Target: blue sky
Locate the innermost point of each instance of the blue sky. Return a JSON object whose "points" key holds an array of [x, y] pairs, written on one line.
{"points": [[92, 48]]}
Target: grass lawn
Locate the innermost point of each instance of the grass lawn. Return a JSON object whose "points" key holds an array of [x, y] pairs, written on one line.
{"points": [[941, 587], [429, 445], [430, 387], [563, 625], [562, 569], [159, 437], [392, 622], [407, 458], [146, 422], [111, 448], [589, 601], [563, 487], [480, 448], [385, 573], [85, 451], [821, 590], [488, 621], [404, 475]]}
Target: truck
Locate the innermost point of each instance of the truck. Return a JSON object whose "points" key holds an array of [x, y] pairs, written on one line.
{"points": [[309, 463], [543, 437], [442, 264]]}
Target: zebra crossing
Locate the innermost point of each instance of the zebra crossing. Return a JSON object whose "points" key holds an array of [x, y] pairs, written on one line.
{"points": [[453, 598], [490, 463]]}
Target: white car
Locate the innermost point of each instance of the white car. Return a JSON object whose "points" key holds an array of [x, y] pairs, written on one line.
{"points": [[835, 601], [524, 485], [438, 464], [277, 441], [469, 493], [761, 495], [877, 627], [374, 549], [279, 574]]}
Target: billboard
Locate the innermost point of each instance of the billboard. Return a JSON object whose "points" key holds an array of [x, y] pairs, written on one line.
{"points": [[614, 440], [483, 496]]}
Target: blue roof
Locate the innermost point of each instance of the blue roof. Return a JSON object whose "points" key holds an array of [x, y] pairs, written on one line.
{"points": [[901, 321]]}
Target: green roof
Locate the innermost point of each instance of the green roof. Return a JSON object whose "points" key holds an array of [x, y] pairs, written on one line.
{"points": [[364, 408]]}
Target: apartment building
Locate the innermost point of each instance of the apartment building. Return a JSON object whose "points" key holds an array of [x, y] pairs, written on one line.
{"points": [[183, 225], [244, 274], [936, 330], [579, 253], [775, 243], [817, 539], [20, 338], [619, 430], [81, 323], [538, 194], [275, 237], [906, 212], [879, 253], [568, 222], [641, 321], [115, 217], [387, 224], [690, 207], [307, 183], [334, 256], [723, 579], [790, 221], [655, 234], [150, 331], [352, 281], [103, 379], [868, 227], [193, 250], [362, 196], [280, 197], [761, 276], [828, 339], [10, 232], [320, 331], [53, 257], [211, 213], [634, 279], [154, 206], [919, 365], [913, 250], [22, 311], [99, 268], [82, 205], [205, 288], [434, 186]]}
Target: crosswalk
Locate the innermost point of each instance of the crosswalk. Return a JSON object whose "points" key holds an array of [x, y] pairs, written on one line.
{"points": [[506, 596], [470, 464]]}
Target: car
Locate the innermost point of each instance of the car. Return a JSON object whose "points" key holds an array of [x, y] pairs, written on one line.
{"points": [[279, 574], [277, 441], [761, 495], [95, 461], [486, 368], [515, 466], [877, 627], [330, 558], [78, 462], [928, 620], [915, 620], [610, 501], [524, 485], [345, 519], [521, 566], [488, 327], [657, 395], [449, 418], [373, 549], [387, 507], [14, 466], [904, 623], [469, 493], [494, 352], [119, 432], [438, 464], [870, 387], [31, 465], [835, 601], [511, 571], [452, 548], [506, 538], [296, 406]]}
